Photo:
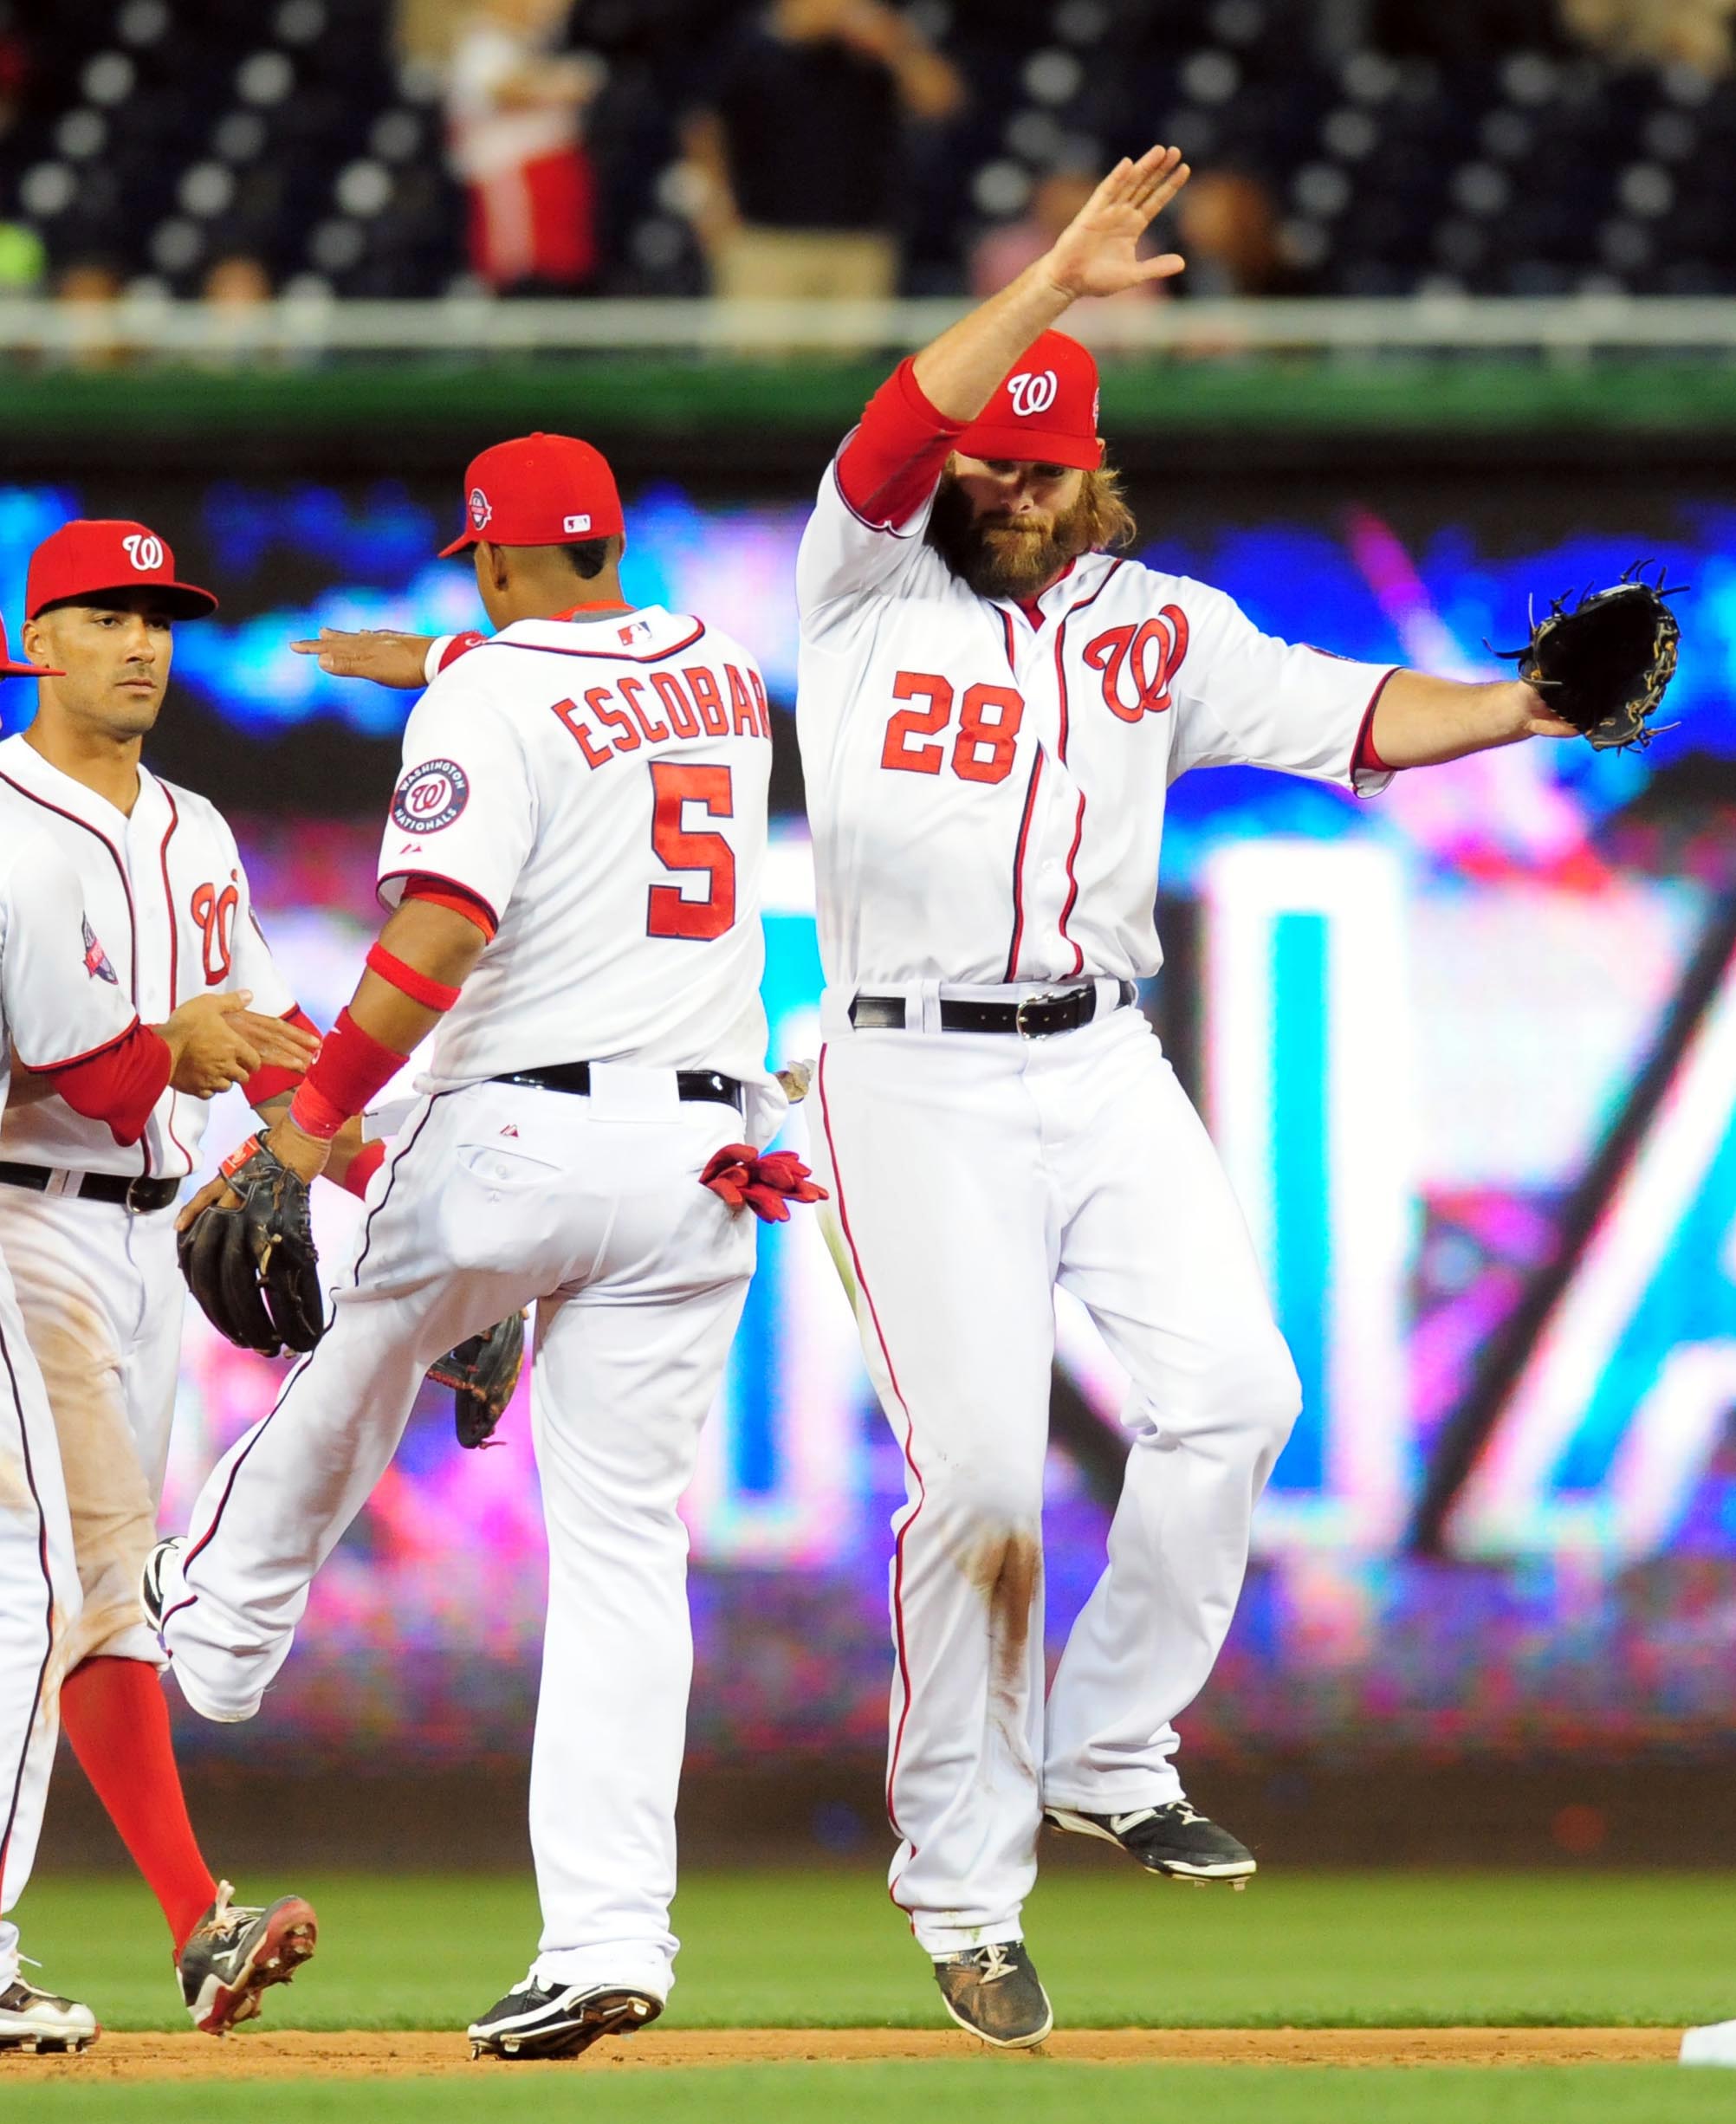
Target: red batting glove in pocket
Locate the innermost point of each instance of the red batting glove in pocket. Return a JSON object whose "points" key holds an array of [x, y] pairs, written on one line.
{"points": [[766, 1185]]}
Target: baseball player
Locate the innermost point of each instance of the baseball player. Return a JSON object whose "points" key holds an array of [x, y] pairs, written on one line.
{"points": [[572, 861], [991, 704], [63, 1012], [87, 1223]]}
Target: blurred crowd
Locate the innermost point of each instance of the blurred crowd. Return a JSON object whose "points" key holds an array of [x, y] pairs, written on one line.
{"points": [[824, 149]]}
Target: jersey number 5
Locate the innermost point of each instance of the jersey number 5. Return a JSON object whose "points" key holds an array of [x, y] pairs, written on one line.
{"points": [[674, 788], [988, 730]]}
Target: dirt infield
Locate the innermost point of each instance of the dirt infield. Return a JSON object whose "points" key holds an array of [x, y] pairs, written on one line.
{"points": [[373, 2056]]}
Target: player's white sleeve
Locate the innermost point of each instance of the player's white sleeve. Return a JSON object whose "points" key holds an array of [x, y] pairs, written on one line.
{"points": [[254, 967], [843, 555], [1247, 699], [62, 999], [464, 809]]}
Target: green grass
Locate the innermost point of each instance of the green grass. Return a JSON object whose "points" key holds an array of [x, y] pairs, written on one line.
{"points": [[1115, 1948], [995, 2091]]}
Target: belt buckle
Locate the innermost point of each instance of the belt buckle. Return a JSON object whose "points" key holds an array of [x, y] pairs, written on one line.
{"points": [[1030, 1002], [135, 1209]]}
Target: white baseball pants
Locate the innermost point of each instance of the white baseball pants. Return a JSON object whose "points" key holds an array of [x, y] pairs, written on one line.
{"points": [[102, 1299], [970, 1175], [497, 1196], [39, 1606]]}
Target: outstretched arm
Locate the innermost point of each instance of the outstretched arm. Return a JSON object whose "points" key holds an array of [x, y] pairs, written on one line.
{"points": [[1097, 254], [1421, 721]]}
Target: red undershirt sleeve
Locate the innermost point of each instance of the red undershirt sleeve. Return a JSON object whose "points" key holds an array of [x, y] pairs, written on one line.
{"points": [[893, 462], [273, 1081], [120, 1085], [442, 892], [1365, 760]]}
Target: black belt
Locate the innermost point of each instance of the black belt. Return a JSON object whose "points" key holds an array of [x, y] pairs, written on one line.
{"points": [[139, 1195], [1036, 1018], [575, 1077]]}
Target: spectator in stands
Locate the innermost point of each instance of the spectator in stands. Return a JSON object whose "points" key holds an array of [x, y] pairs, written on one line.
{"points": [[796, 149], [237, 282], [1003, 254], [515, 107], [1227, 229], [89, 287], [1691, 33]]}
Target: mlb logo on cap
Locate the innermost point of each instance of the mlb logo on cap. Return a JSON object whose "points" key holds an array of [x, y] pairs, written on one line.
{"points": [[96, 557], [539, 490]]}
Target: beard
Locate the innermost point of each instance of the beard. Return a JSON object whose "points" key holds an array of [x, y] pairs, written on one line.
{"points": [[1003, 556]]}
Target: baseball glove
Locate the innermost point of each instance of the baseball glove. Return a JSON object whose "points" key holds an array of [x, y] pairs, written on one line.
{"points": [[254, 1267], [1602, 663], [482, 1372]]}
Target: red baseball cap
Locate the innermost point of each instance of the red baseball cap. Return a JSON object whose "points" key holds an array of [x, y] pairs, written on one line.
{"points": [[539, 490], [9, 669], [1043, 412], [92, 556]]}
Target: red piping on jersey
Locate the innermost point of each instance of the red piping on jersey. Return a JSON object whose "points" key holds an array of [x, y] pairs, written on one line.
{"points": [[601, 656], [47, 1607], [1007, 628], [1073, 887], [72, 1061], [174, 963], [910, 1461], [96, 833], [1078, 824], [1018, 869]]}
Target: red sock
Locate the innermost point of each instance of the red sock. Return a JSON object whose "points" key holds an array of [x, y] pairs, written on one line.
{"points": [[118, 1722]]}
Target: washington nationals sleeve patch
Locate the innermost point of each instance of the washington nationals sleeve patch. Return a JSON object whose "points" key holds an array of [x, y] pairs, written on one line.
{"points": [[96, 959], [430, 796]]}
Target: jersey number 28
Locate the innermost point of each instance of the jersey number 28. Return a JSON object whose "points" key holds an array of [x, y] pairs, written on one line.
{"points": [[674, 788]]}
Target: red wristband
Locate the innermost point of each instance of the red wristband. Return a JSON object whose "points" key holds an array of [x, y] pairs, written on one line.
{"points": [[351, 1068], [363, 1166], [420, 988]]}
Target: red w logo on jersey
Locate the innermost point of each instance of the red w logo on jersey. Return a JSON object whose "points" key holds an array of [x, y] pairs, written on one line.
{"points": [[96, 959], [1132, 651]]}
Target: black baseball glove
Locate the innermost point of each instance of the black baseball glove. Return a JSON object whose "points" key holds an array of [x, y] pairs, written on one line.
{"points": [[1602, 663], [254, 1267], [482, 1372]]}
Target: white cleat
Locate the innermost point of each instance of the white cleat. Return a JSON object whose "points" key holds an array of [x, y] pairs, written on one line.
{"points": [[33, 2020]]}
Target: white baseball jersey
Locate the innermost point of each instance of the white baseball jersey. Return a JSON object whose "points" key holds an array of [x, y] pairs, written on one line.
{"points": [[165, 893], [57, 1005], [600, 786], [987, 795]]}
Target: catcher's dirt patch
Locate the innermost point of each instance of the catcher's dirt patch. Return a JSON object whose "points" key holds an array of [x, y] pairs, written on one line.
{"points": [[292, 2055]]}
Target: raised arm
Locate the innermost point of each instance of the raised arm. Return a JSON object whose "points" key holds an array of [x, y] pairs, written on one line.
{"points": [[1098, 254]]}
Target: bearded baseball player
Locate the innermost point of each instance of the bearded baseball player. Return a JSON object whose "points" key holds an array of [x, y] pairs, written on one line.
{"points": [[992, 702], [572, 861], [63, 1013], [87, 1222]]}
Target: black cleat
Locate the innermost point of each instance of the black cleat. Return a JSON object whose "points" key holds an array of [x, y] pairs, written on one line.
{"points": [[1175, 1839], [33, 2020], [558, 2020], [235, 1954], [995, 1993]]}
